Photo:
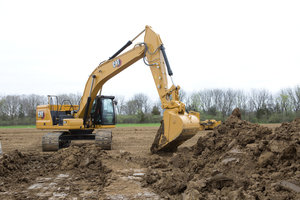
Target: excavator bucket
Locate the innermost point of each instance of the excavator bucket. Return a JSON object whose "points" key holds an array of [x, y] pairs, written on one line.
{"points": [[174, 130]]}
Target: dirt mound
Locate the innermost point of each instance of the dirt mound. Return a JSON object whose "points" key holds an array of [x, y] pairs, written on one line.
{"points": [[76, 157], [237, 113], [76, 164], [238, 160], [79, 157], [14, 161]]}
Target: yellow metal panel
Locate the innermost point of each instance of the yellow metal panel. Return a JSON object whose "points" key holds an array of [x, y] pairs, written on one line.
{"points": [[176, 124], [43, 116]]}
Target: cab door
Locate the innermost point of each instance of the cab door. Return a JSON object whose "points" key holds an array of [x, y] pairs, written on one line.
{"points": [[107, 110]]}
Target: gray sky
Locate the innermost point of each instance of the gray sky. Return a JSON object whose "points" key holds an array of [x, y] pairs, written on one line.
{"points": [[51, 47]]}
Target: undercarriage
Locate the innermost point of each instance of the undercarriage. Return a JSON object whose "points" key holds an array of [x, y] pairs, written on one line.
{"points": [[54, 141]]}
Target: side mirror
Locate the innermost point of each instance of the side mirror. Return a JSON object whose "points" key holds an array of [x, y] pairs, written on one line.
{"points": [[115, 102]]}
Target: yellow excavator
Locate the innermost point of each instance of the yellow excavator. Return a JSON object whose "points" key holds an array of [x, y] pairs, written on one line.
{"points": [[94, 117], [209, 124]]}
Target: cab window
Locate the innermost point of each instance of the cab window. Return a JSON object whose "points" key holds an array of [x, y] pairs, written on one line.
{"points": [[108, 114]]}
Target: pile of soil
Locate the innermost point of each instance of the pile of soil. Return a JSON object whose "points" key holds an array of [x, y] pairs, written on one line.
{"points": [[15, 165], [84, 161], [78, 162], [238, 160]]}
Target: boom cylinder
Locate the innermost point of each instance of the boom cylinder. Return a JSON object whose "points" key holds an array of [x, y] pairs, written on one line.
{"points": [[126, 45], [162, 48], [120, 50], [87, 106]]}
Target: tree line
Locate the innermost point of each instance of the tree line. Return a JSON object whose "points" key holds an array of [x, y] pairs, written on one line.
{"points": [[259, 106]]}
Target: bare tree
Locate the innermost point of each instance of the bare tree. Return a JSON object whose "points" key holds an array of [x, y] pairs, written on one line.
{"points": [[157, 104], [11, 106], [284, 101], [74, 99], [259, 99], [205, 99], [294, 96], [131, 107], [228, 101], [242, 100], [2, 112], [195, 101], [142, 101], [120, 104], [30, 103], [217, 95]]}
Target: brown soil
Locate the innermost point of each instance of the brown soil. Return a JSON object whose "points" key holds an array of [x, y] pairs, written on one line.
{"points": [[82, 171], [66, 172], [238, 160]]}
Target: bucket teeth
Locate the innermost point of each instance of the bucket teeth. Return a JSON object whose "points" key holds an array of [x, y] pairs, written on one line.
{"points": [[155, 145]]}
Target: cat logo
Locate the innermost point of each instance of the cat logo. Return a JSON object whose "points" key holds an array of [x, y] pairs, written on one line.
{"points": [[117, 63]]}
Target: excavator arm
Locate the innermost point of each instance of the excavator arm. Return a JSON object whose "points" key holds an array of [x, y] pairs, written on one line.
{"points": [[152, 49], [177, 125]]}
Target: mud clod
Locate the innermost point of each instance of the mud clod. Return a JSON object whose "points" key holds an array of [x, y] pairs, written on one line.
{"points": [[237, 113]]}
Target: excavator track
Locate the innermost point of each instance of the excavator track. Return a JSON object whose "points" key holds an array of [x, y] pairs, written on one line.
{"points": [[103, 138], [57, 140], [52, 142]]}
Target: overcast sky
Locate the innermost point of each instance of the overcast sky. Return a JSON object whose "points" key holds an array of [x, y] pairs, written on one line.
{"points": [[51, 47]]}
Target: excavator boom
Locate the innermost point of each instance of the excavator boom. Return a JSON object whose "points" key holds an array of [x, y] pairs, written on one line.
{"points": [[177, 125]]}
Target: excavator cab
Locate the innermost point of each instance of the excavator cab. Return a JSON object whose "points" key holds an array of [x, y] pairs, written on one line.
{"points": [[103, 111]]}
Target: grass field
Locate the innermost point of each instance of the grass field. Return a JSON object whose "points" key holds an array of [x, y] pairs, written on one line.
{"points": [[118, 125], [19, 126]]}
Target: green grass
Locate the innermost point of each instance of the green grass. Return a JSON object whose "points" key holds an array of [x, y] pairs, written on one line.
{"points": [[118, 125], [19, 126]]}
